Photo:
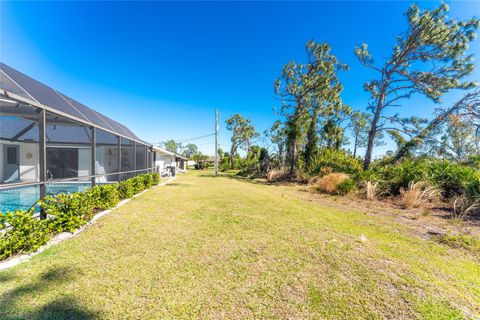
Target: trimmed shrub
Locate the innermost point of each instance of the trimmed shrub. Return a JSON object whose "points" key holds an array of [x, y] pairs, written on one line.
{"points": [[126, 189], [24, 233], [68, 211], [155, 178], [147, 180], [105, 196], [137, 184]]}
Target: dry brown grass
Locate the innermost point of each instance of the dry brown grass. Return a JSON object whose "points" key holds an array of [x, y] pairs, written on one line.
{"points": [[418, 194], [328, 183], [372, 190], [463, 206], [275, 175]]}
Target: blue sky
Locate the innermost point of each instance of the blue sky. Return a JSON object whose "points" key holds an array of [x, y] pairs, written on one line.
{"points": [[162, 68]]}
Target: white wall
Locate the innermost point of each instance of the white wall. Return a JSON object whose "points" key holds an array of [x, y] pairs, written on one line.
{"points": [[164, 160], [29, 167]]}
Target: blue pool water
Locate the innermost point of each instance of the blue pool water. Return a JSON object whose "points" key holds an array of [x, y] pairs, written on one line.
{"points": [[25, 197]]}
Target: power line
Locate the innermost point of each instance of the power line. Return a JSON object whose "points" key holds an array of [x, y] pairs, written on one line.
{"points": [[195, 138]]}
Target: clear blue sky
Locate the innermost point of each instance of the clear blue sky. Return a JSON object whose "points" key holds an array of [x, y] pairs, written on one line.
{"points": [[162, 68]]}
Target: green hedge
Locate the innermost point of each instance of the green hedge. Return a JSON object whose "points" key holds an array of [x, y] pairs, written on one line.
{"points": [[66, 212], [24, 233]]}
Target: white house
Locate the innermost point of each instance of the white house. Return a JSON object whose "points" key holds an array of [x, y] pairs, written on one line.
{"points": [[166, 162]]}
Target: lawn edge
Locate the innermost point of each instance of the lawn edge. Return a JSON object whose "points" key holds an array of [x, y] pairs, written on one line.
{"points": [[59, 238]]}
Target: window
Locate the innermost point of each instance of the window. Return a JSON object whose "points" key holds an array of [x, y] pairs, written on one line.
{"points": [[12, 155]]}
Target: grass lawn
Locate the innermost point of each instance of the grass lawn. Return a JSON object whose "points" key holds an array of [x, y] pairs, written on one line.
{"points": [[211, 248]]}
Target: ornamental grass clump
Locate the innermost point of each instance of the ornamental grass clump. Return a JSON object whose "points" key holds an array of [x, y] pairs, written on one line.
{"points": [[329, 183], [418, 194]]}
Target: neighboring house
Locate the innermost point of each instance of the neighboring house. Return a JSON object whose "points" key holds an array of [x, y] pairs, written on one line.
{"points": [[167, 162]]}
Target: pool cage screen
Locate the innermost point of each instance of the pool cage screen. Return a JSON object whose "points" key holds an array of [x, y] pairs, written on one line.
{"points": [[52, 143]]}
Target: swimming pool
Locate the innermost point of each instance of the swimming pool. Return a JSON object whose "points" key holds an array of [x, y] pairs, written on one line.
{"points": [[23, 198]]}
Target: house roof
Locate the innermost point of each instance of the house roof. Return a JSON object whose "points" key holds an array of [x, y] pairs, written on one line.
{"points": [[161, 150], [16, 85]]}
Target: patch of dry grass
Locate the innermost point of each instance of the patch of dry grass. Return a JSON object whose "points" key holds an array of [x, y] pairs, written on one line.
{"points": [[418, 194], [219, 248], [327, 183]]}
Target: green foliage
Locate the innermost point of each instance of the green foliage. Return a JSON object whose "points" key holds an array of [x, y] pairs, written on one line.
{"points": [[155, 178], [137, 184], [451, 178], [465, 241], [428, 59], [22, 233], [65, 212], [337, 161], [126, 189], [105, 197], [309, 89], [347, 186], [454, 179], [68, 211]]}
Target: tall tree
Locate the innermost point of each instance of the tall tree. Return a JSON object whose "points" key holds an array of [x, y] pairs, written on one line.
{"points": [[172, 146], [242, 134], [429, 58], [189, 150], [464, 108], [303, 87], [359, 126], [458, 143]]}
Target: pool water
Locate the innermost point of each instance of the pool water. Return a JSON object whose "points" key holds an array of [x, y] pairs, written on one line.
{"points": [[23, 198]]}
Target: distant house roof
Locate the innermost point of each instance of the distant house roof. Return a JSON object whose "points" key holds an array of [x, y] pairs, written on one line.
{"points": [[21, 87], [161, 150]]}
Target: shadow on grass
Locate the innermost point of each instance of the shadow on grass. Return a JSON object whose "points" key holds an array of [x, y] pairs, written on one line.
{"points": [[64, 307]]}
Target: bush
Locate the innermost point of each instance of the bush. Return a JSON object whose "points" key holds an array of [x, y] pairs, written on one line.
{"points": [[24, 233], [337, 160], [399, 176], [155, 178], [454, 179], [68, 211], [329, 183], [147, 181], [347, 186], [105, 196], [126, 189], [137, 184]]}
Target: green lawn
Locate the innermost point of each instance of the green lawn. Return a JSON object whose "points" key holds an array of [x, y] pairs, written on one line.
{"points": [[220, 248]]}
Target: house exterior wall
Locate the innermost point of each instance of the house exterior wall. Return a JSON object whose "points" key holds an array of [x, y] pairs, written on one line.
{"points": [[28, 159]]}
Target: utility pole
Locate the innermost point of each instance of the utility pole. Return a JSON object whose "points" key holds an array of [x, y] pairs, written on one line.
{"points": [[216, 142]]}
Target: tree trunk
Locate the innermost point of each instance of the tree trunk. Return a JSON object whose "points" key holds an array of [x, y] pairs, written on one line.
{"points": [[373, 132], [355, 146], [232, 153]]}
